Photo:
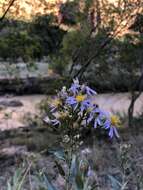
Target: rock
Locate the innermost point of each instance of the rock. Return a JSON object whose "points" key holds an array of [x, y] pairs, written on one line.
{"points": [[12, 103]]}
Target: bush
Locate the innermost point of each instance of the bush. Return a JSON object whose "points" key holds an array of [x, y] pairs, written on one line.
{"points": [[29, 41]]}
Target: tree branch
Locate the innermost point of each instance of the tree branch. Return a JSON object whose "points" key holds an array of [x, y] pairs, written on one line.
{"points": [[108, 40], [9, 6]]}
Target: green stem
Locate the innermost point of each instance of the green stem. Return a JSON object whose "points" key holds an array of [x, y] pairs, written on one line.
{"points": [[23, 178]]}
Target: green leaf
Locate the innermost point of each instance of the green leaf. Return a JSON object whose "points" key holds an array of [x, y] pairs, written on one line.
{"points": [[116, 185], [86, 184], [74, 168], [79, 182], [9, 187]]}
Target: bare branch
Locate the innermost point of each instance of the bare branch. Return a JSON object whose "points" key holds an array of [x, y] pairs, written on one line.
{"points": [[9, 6], [109, 39]]}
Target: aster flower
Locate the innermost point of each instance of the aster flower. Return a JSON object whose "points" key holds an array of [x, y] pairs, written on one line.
{"points": [[53, 108], [115, 120], [97, 122], [55, 122], [90, 91], [90, 172], [47, 120], [63, 93], [55, 104], [107, 124], [75, 86], [71, 100], [104, 120], [85, 105], [113, 132], [98, 115], [111, 124], [80, 98], [101, 118]]}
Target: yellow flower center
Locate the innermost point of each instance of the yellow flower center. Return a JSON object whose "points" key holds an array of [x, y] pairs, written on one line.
{"points": [[115, 120], [80, 98], [63, 114], [56, 102]]}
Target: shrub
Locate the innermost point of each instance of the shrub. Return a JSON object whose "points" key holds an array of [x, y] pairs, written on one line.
{"points": [[75, 107], [29, 41], [73, 110]]}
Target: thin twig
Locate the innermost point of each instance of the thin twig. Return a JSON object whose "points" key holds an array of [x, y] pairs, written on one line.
{"points": [[108, 40], [9, 6]]}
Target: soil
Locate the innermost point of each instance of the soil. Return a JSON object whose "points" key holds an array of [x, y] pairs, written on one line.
{"points": [[11, 116]]}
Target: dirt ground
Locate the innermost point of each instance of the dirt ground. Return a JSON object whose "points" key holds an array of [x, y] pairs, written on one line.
{"points": [[12, 116]]}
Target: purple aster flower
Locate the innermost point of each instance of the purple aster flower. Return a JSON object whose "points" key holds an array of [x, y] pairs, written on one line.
{"points": [[103, 120], [101, 113], [91, 116], [90, 91], [85, 105], [113, 132], [92, 113], [71, 100], [112, 129], [53, 109], [90, 172], [98, 118], [107, 124], [75, 86], [97, 122], [63, 93], [47, 120], [55, 103], [55, 122]]}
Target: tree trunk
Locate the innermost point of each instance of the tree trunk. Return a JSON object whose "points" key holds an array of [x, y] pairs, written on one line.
{"points": [[135, 96]]}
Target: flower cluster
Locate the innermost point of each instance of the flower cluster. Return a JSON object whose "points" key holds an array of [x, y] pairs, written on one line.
{"points": [[75, 107]]}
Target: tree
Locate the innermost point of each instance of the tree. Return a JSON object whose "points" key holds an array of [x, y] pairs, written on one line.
{"points": [[102, 40], [29, 41]]}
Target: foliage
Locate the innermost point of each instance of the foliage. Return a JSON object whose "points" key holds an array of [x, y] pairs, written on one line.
{"points": [[17, 181], [80, 175], [96, 26], [72, 111], [29, 41], [50, 34], [68, 11], [19, 45]]}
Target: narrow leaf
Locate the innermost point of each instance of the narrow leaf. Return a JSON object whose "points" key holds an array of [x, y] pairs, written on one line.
{"points": [[49, 184], [116, 185]]}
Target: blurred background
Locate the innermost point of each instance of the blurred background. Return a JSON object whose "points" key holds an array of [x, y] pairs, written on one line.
{"points": [[44, 45]]}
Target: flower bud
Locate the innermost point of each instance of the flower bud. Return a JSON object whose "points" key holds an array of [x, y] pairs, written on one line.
{"points": [[83, 166]]}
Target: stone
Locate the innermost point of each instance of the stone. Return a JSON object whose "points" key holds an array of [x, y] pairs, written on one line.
{"points": [[12, 103]]}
